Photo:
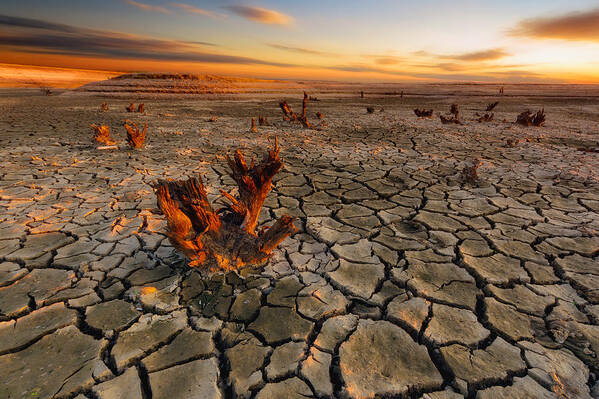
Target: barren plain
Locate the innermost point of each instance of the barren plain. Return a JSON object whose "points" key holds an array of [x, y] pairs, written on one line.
{"points": [[405, 279]]}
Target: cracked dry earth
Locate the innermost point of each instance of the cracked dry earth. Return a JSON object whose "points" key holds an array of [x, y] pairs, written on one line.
{"points": [[403, 281]]}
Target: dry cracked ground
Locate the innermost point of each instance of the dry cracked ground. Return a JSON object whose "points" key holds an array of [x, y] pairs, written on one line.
{"points": [[404, 280]]}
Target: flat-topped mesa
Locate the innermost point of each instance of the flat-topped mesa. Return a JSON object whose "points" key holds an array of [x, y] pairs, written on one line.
{"points": [[135, 137], [225, 239]]}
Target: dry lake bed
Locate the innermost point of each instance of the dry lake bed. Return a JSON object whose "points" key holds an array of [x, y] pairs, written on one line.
{"points": [[404, 280]]}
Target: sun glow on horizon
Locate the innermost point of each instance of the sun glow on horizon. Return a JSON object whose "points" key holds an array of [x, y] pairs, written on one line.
{"points": [[388, 42]]}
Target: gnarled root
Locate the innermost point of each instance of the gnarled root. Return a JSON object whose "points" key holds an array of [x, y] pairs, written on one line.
{"points": [[225, 239], [135, 137]]}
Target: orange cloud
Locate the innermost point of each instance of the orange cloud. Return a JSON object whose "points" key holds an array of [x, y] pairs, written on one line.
{"points": [[484, 55], [200, 11], [298, 49], [581, 26], [148, 7], [261, 15]]}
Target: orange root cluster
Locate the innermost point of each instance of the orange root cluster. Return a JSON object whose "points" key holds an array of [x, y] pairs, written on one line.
{"points": [[102, 134], [225, 239], [135, 137], [527, 118], [291, 116]]}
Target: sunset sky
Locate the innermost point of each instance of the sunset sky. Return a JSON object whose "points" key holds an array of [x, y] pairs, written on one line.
{"points": [[358, 40]]}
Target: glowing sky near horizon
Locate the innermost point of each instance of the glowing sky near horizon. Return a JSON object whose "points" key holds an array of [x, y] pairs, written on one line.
{"points": [[360, 40]]}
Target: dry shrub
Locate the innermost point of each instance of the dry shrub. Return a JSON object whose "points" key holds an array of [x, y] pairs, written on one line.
{"points": [[135, 137], [225, 239], [102, 135], [527, 118]]}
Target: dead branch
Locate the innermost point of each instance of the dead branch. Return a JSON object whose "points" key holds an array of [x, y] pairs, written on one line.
{"points": [[527, 118], [491, 106], [135, 137], [140, 109], [225, 239], [130, 108], [470, 172], [254, 129], [422, 113], [104, 107], [102, 135], [370, 110]]}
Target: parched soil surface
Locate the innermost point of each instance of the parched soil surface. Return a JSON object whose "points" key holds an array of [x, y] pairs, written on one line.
{"points": [[405, 280]]}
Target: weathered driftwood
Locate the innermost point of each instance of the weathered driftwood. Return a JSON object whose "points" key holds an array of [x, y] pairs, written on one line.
{"points": [[225, 239], [527, 118], [370, 110], [470, 172], [102, 135], [130, 108], [491, 106], [104, 107], [135, 137], [423, 113], [254, 128], [141, 108]]}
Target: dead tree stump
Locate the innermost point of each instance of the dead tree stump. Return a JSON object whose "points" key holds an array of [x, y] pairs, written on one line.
{"points": [[225, 239], [262, 121], [289, 115], [527, 118], [130, 108], [140, 109], [104, 107], [423, 113], [102, 134], [254, 129], [135, 137]]}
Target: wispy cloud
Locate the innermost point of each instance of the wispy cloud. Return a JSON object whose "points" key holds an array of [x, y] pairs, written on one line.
{"points": [[484, 55], [261, 15], [195, 10], [148, 7], [301, 50], [36, 36], [581, 26]]}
